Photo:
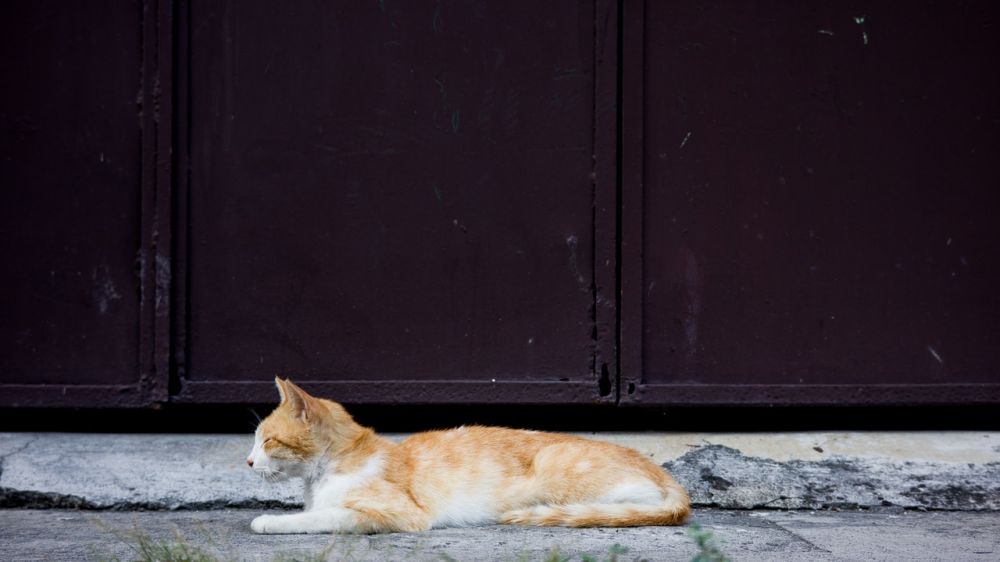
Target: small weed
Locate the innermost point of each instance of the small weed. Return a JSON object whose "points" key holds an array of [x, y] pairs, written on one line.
{"points": [[555, 556], [707, 549], [321, 556], [148, 549], [613, 553], [177, 549]]}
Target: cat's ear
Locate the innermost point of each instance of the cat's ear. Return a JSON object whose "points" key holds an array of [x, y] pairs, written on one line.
{"points": [[281, 389], [301, 402], [292, 397]]}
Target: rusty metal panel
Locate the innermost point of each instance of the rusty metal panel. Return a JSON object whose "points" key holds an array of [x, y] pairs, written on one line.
{"points": [[73, 170], [810, 203], [397, 200]]}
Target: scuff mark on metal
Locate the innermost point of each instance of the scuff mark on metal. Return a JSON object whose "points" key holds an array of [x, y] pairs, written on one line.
{"points": [[437, 23], [692, 293], [105, 289], [162, 282], [574, 267], [860, 20], [934, 353]]}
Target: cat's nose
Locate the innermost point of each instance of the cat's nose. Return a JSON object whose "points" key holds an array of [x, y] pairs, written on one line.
{"points": [[250, 463]]}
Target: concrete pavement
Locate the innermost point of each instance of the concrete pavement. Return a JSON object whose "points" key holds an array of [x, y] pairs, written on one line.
{"points": [[57, 535]]}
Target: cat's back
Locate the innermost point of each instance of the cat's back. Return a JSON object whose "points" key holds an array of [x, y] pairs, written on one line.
{"points": [[476, 457], [455, 446], [475, 453], [498, 445]]}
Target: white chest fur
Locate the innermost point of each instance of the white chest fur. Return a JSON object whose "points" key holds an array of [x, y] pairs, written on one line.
{"points": [[332, 488]]}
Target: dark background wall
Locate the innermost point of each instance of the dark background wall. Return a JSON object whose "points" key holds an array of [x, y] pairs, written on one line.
{"points": [[634, 204]]}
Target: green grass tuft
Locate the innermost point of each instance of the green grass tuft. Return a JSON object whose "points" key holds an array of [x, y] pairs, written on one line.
{"points": [[555, 556], [708, 551], [148, 549]]}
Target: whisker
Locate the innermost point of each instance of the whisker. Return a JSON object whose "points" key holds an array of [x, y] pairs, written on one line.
{"points": [[256, 415], [271, 474]]}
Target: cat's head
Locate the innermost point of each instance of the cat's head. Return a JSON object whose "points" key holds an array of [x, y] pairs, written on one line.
{"points": [[298, 432]]}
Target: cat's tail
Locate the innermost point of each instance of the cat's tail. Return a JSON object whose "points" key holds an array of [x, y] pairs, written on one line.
{"points": [[673, 511]]}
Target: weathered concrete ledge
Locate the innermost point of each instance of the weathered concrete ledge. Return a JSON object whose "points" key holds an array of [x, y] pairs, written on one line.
{"points": [[896, 470]]}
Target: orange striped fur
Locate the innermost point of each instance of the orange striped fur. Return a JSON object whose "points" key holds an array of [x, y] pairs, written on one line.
{"points": [[357, 481]]}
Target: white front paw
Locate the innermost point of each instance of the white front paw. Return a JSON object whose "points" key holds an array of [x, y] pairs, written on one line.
{"points": [[264, 524]]}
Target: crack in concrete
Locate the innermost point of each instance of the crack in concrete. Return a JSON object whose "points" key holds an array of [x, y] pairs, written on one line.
{"points": [[21, 449], [813, 546]]}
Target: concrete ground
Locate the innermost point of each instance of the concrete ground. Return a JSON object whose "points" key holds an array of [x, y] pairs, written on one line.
{"points": [[742, 535], [797, 496]]}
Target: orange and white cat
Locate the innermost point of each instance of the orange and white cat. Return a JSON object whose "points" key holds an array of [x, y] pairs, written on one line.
{"points": [[358, 482]]}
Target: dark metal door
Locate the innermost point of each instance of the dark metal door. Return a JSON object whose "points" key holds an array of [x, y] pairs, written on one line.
{"points": [[80, 299], [398, 201], [417, 202], [810, 203]]}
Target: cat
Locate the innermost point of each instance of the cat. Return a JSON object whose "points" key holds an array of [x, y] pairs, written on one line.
{"points": [[359, 482]]}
